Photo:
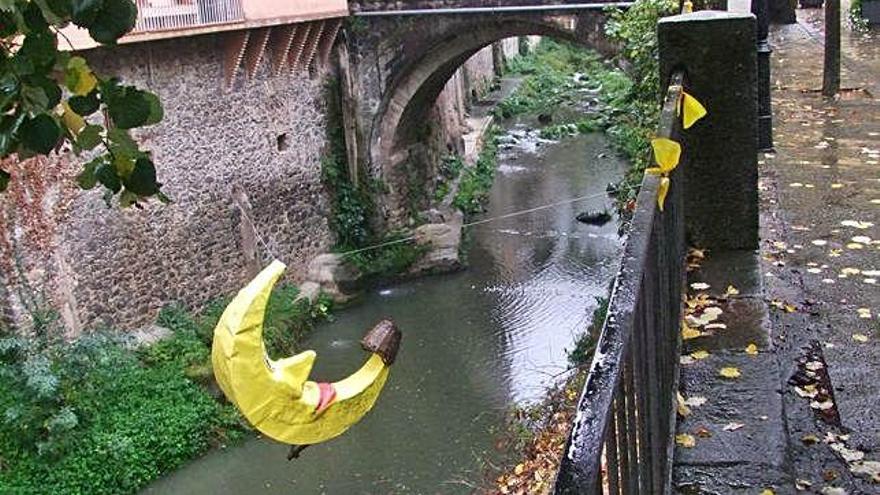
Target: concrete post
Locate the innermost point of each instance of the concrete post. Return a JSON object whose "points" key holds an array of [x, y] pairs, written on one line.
{"points": [[716, 50]]}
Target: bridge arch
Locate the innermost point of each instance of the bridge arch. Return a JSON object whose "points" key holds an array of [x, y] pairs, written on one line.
{"points": [[416, 57]]}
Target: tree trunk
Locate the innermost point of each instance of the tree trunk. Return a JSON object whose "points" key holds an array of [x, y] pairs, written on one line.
{"points": [[831, 76]]}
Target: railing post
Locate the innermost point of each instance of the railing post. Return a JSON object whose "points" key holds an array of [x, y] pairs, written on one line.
{"points": [[716, 50]]}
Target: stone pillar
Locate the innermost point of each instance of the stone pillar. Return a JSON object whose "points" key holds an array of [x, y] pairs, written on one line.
{"points": [[716, 50], [498, 61]]}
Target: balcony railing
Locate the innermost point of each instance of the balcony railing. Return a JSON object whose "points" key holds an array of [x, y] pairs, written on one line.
{"points": [[164, 15]]}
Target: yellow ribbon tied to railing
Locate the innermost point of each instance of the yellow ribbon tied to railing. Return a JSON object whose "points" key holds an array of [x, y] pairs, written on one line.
{"points": [[667, 154], [690, 109]]}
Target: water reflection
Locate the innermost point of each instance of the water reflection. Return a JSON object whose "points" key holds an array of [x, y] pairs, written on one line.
{"points": [[474, 342]]}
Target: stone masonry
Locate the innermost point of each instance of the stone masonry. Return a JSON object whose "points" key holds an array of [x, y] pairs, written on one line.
{"points": [[258, 143]]}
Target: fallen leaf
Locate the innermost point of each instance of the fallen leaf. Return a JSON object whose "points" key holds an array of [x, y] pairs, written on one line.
{"points": [[856, 224], [810, 439], [701, 354], [767, 491], [860, 337], [822, 406], [686, 360], [700, 286], [864, 313], [733, 426], [519, 469], [729, 372], [848, 454], [695, 401], [814, 365], [752, 350], [685, 440], [703, 432], [688, 333], [681, 406], [869, 469], [802, 484], [833, 490], [731, 291], [715, 326]]}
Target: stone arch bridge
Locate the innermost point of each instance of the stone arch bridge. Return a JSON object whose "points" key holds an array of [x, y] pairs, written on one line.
{"points": [[398, 56]]}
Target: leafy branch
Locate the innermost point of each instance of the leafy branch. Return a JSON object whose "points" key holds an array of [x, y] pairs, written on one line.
{"points": [[51, 100]]}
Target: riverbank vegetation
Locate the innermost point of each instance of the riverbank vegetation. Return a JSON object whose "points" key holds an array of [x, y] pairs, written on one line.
{"points": [[94, 415]]}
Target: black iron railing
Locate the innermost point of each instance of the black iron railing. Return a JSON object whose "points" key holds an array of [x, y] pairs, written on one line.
{"points": [[622, 438]]}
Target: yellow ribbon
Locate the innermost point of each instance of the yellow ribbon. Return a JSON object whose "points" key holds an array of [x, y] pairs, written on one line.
{"points": [[690, 109]]}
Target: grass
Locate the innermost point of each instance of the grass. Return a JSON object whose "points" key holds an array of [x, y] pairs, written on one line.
{"points": [[93, 416]]}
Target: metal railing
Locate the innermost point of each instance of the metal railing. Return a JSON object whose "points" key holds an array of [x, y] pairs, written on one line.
{"points": [[163, 15], [622, 438]]}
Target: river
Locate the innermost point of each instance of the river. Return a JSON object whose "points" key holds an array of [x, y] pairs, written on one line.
{"points": [[475, 342]]}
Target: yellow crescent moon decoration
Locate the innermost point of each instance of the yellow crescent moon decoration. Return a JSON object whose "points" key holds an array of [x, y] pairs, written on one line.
{"points": [[276, 396]]}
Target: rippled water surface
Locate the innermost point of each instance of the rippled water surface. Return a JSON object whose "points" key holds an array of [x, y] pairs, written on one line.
{"points": [[475, 342]]}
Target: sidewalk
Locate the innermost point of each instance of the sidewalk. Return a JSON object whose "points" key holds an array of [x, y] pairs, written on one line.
{"points": [[803, 416], [821, 251]]}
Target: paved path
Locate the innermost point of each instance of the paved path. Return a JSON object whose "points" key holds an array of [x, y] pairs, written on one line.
{"points": [[809, 401], [821, 207]]}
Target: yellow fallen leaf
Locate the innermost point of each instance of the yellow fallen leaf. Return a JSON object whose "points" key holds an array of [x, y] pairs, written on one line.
{"points": [[667, 154], [701, 354], [768, 491], [695, 401], [688, 333], [729, 372], [682, 408], [732, 291], [662, 191], [519, 469], [752, 350], [860, 337], [693, 110], [685, 440]]}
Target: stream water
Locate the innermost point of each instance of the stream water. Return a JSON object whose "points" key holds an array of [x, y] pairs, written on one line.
{"points": [[475, 342]]}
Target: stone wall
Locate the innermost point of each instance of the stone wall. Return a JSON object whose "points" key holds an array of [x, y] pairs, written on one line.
{"points": [[412, 180], [107, 266]]}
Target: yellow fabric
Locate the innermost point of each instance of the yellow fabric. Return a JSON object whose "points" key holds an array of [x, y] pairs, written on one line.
{"points": [[662, 191], [692, 110], [667, 153], [276, 396]]}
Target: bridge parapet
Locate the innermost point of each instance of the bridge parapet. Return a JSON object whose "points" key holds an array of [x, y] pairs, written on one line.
{"points": [[391, 6]]}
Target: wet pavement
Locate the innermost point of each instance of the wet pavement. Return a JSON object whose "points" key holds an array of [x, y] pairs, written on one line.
{"points": [[803, 416], [821, 250]]}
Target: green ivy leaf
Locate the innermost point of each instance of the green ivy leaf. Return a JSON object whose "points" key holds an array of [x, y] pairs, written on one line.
{"points": [[89, 137], [34, 99], [106, 175], [40, 48], [113, 20], [87, 179], [40, 134], [156, 112], [4, 180], [78, 77], [85, 105], [84, 12], [126, 105], [142, 180]]}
